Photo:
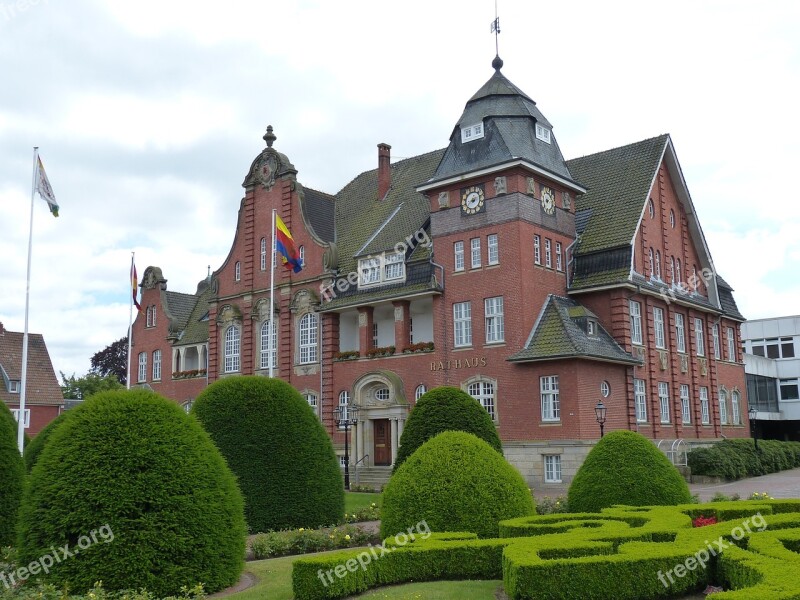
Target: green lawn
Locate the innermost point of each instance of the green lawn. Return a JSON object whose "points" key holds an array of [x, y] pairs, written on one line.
{"points": [[275, 582], [354, 501]]}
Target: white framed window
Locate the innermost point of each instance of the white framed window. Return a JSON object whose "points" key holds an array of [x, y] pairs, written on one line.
{"points": [[776, 348], [658, 325], [492, 249], [551, 406], [686, 410], [14, 387], [394, 267], [475, 252], [187, 406], [537, 249], [663, 401], [640, 395], [699, 337], [652, 263], [559, 259], [548, 254], [715, 340], [605, 389], [237, 271], [269, 345], [142, 367], [495, 328], [462, 324], [736, 409], [263, 254], [542, 133], [232, 349], [591, 327], [671, 269], [672, 218], [705, 418], [483, 392], [652, 208], [472, 132], [658, 265], [789, 389], [154, 315], [636, 321], [308, 338], [26, 417], [344, 405], [382, 394], [156, 365], [370, 270], [680, 332], [458, 252], [374, 334], [723, 407], [302, 252], [420, 391], [731, 338], [552, 468], [149, 315], [678, 272], [311, 398]]}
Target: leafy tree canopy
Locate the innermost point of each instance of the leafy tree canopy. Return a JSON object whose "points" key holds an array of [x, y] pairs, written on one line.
{"points": [[80, 388], [112, 360]]}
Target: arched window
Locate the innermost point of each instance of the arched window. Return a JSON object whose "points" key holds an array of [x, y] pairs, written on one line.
{"points": [[672, 269], [269, 345], [237, 274], [652, 208], [652, 264], [678, 271], [723, 407], [311, 398], [344, 403], [658, 264], [149, 318], [420, 391], [263, 254], [302, 251], [308, 338], [735, 408], [156, 365], [232, 347], [153, 308], [483, 392], [187, 406], [142, 367]]}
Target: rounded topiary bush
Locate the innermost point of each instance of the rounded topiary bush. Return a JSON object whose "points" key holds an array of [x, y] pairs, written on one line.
{"points": [[136, 486], [12, 476], [454, 482], [445, 409], [626, 468], [283, 458], [36, 445]]}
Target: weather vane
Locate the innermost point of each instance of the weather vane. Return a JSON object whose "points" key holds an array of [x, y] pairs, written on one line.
{"points": [[496, 29]]}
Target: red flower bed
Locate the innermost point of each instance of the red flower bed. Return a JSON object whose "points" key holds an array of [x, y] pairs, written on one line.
{"points": [[702, 521]]}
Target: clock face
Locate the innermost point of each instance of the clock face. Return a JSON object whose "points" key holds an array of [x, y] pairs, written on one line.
{"points": [[472, 200], [548, 200]]}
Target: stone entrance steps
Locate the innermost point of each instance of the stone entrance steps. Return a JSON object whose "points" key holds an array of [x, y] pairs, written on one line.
{"points": [[374, 477]]}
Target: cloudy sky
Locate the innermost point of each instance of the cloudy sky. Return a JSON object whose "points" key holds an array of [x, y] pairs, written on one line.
{"points": [[148, 114]]}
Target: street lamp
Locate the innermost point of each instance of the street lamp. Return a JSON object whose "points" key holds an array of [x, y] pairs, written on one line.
{"points": [[600, 415], [345, 416], [752, 414]]}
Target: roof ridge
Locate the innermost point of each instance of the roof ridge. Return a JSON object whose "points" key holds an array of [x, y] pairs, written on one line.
{"points": [[394, 164], [665, 136]]}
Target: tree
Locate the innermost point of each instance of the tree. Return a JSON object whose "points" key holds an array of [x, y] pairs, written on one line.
{"points": [[445, 409], [12, 476], [455, 482], [135, 468], [277, 448], [112, 360], [80, 388], [626, 468]]}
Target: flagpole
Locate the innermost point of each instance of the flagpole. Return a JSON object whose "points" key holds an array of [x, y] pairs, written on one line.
{"points": [[23, 391], [272, 295], [130, 323]]}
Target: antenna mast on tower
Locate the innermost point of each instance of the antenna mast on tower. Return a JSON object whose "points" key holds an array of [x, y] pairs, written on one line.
{"points": [[496, 30]]}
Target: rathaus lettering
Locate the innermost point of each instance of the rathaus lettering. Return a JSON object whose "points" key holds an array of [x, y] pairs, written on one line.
{"points": [[458, 363]]}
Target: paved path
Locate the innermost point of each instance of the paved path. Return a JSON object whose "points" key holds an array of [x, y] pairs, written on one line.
{"points": [[785, 484]]}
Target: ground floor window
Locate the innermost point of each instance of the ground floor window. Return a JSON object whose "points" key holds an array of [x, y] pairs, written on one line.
{"points": [[483, 392], [26, 418], [641, 400], [552, 469]]}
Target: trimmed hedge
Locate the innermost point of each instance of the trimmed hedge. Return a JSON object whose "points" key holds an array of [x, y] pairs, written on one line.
{"points": [[622, 553], [445, 409], [454, 482], [35, 447], [137, 486], [626, 468], [278, 449], [12, 476], [736, 459]]}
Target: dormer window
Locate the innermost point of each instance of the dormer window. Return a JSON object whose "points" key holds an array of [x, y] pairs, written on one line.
{"points": [[384, 268], [471, 132], [542, 133], [13, 387], [591, 327]]}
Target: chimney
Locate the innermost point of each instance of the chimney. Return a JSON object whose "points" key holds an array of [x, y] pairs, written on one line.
{"points": [[384, 170], [2, 329]]}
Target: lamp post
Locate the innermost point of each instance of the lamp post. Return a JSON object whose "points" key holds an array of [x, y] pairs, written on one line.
{"points": [[600, 415], [752, 414], [345, 416]]}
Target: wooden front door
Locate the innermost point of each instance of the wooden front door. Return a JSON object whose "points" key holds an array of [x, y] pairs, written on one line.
{"points": [[383, 442]]}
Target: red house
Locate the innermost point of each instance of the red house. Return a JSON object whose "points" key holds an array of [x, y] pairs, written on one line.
{"points": [[539, 285]]}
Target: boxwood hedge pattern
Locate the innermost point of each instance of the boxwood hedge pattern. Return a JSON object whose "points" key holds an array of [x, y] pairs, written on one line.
{"points": [[12, 476], [621, 553]]}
